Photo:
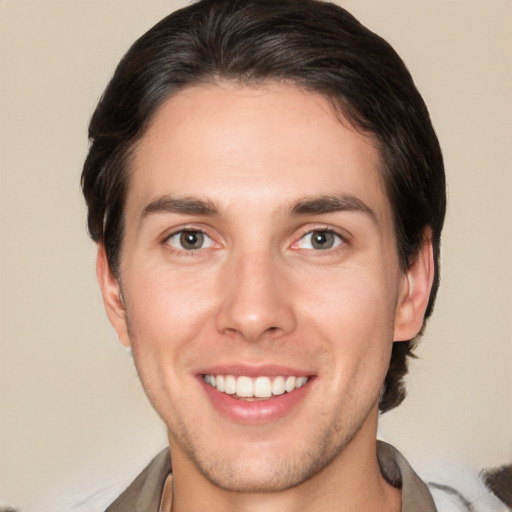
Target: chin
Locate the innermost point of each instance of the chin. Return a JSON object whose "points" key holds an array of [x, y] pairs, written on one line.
{"points": [[252, 476], [255, 468]]}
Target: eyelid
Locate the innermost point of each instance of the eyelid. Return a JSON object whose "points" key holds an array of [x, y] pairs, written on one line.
{"points": [[200, 227]]}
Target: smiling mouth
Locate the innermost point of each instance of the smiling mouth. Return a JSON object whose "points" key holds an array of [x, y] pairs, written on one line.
{"points": [[254, 388]]}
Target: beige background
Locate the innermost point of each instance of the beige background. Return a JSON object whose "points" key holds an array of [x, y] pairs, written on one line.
{"points": [[72, 414]]}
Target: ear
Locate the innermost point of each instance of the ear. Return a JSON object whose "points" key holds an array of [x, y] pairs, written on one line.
{"points": [[112, 296], [415, 293]]}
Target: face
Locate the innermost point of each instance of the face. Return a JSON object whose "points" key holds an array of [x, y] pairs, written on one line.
{"points": [[260, 288]]}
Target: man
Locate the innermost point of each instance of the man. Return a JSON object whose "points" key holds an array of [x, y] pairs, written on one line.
{"points": [[267, 194]]}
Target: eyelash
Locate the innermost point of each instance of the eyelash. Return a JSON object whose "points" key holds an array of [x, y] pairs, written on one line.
{"points": [[342, 240]]}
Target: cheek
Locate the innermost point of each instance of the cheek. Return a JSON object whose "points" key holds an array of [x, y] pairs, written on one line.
{"points": [[168, 309], [167, 316], [353, 312], [351, 299]]}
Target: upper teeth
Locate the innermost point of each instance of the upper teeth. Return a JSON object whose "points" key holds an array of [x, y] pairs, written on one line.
{"points": [[259, 387]]}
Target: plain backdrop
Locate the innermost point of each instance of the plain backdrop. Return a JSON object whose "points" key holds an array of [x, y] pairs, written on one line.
{"points": [[72, 413]]}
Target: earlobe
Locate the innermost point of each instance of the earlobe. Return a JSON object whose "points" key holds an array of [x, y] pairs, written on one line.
{"points": [[415, 293], [112, 296]]}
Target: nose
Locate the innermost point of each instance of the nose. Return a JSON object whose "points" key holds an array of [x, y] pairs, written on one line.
{"points": [[256, 299]]}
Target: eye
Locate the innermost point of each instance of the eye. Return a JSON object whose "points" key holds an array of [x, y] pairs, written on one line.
{"points": [[190, 240], [320, 240]]}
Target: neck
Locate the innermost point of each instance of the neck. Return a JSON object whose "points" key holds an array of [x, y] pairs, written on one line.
{"points": [[349, 483]]}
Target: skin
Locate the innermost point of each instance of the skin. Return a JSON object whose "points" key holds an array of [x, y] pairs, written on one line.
{"points": [[258, 292]]}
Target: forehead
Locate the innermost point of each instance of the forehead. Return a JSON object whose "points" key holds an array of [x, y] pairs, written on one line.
{"points": [[240, 143]]}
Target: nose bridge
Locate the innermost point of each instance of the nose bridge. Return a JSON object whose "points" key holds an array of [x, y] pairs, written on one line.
{"points": [[255, 301]]}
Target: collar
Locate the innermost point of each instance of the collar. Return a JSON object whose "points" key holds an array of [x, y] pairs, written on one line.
{"points": [[145, 492]]}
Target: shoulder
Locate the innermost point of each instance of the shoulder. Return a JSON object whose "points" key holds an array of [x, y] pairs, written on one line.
{"points": [[461, 490], [145, 491], [454, 486], [416, 496]]}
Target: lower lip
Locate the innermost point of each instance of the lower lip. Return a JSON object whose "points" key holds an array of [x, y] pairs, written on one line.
{"points": [[259, 411]]}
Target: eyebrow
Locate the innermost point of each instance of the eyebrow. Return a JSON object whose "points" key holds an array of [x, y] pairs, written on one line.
{"points": [[183, 205], [331, 204], [316, 205]]}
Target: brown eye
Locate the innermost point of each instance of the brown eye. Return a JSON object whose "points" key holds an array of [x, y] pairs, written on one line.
{"points": [[190, 240], [322, 239]]}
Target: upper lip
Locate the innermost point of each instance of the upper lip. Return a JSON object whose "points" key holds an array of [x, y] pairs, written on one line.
{"points": [[253, 370]]}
